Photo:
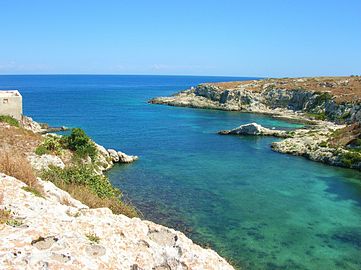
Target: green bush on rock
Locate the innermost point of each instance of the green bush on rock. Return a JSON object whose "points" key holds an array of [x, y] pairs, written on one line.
{"points": [[51, 145], [82, 183], [81, 144], [351, 158], [9, 120], [77, 141]]}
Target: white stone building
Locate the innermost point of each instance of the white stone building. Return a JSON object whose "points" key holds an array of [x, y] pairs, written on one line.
{"points": [[11, 103]]}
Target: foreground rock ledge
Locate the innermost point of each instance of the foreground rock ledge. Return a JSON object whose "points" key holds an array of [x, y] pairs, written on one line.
{"points": [[59, 232]]}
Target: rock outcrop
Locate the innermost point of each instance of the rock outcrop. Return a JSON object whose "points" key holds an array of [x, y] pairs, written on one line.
{"points": [[117, 156], [325, 102], [58, 232], [335, 98], [255, 130]]}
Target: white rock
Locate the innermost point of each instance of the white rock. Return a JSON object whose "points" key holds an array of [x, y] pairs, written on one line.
{"points": [[44, 161], [114, 155], [56, 236], [124, 158]]}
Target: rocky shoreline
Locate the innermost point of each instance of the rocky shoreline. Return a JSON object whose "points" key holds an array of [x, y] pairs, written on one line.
{"points": [[330, 107], [52, 230]]}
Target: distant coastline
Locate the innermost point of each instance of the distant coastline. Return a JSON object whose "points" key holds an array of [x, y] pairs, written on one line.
{"points": [[329, 106]]}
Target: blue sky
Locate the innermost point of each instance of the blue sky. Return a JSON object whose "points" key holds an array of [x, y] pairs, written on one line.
{"points": [[241, 38]]}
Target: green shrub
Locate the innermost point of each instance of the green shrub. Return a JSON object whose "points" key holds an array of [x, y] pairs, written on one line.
{"points": [[34, 191], [41, 150], [357, 142], [51, 145], [81, 144], [350, 158], [10, 120], [94, 190], [323, 97], [323, 144], [317, 116], [82, 174], [93, 238]]}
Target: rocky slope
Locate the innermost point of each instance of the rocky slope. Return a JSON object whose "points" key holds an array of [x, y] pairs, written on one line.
{"points": [[43, 227], [326, 103], [58, 232], [336, 98]]}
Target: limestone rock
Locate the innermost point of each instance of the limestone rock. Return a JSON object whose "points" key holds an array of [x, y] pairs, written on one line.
{"points": [[44, 161], [254, 129], [114, 155], [124, 158], [58, 235]]}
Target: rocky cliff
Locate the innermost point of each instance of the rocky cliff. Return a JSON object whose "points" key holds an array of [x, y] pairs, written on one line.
{"points": [[43, 227], [330, 104], [55, 231], [336, 99]]}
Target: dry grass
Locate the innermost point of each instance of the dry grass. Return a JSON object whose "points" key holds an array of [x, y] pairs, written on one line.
{"points": [[85, 195], [344, 89], [346, 135], [5, 216], [19, 167], [18, 140]]}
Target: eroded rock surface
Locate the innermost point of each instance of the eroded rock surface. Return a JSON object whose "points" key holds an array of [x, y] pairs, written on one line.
{"points": [[58, 232], [255, 130]]}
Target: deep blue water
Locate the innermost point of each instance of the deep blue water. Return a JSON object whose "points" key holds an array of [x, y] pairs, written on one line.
{"points": [[261, 209]]}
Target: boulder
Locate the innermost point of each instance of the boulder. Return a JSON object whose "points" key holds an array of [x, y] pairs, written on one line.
{"points": [[43, 162], [124, 158], [114, 155], [255, 130]]}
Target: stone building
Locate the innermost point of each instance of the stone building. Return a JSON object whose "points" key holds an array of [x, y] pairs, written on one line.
{"points": [[11, 103]]}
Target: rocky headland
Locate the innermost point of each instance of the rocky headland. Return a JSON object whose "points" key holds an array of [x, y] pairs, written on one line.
{"points": [[330, 108], [59, 211]]}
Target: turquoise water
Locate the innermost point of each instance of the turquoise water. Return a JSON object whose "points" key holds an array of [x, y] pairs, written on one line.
{"points": [[258, 208]]}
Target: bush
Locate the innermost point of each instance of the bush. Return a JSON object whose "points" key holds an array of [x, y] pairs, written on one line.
{"points": [[10, 120], [323, 144], [317, 116], [81, 144], [350, 158], [82, 174], [51, 145], [94, 190]]}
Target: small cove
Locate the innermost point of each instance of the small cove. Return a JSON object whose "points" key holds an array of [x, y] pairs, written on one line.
{"points": [[261, 209]]}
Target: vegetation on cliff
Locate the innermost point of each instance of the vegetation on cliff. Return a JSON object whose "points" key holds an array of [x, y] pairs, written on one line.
{"points": [[80, 176]]}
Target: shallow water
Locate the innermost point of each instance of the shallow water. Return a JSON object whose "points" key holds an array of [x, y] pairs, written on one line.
{"points": [[261, 209]]}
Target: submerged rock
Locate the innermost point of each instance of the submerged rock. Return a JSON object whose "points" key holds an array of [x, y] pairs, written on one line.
{"points": [[254, 129]]}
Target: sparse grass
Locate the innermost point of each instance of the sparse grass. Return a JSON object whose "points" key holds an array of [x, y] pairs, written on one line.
{"points": [[9, 120], [93, 238], [83, 184], [14, 222], [18, 167], [317, 116], [323, 144], [5, 216], [34, 191], [18, 140]]}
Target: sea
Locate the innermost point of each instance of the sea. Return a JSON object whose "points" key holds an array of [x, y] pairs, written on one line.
{"points": [[257, 208]]}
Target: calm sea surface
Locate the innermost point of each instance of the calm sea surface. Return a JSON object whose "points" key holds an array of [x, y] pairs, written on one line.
{"points": [[258, 208]]}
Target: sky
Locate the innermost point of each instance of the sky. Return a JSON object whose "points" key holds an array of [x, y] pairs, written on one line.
{"points": [[274, 38]]}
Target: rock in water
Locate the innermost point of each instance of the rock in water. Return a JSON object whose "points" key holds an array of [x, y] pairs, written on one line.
{"points": [[124, 158], [254, 129]]}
